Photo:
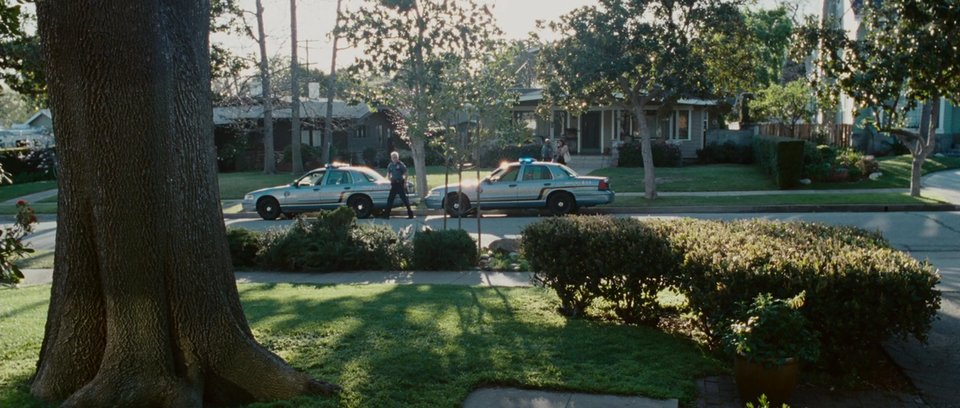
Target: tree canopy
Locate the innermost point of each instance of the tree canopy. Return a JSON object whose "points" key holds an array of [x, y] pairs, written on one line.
{"points": [[635, 53], [904, 56]]}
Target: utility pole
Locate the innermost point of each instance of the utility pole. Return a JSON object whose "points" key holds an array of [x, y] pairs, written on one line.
{"points": [[306, 49], [295, 137], [331, 92]]}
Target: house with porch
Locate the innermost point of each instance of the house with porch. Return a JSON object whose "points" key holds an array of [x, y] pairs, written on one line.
{"points": [[597, 130]]}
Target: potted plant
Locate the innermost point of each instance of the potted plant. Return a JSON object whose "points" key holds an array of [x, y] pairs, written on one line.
{"points": [[770, 340]]}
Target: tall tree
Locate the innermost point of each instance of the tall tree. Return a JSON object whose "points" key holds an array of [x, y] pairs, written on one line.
{"points": [[144, 309], [636, 54], [770, 30], [789, 105], [295, 137], [906, 58], [409, 43], [266, 95]]}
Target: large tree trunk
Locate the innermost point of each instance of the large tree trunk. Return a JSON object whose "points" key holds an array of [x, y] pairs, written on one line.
{"points": [[269, 162], [925, 143], [419, 152], [144, 309], [327, 141]]}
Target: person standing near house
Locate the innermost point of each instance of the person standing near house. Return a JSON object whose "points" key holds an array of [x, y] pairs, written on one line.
{"points": [[397, 173], [547, 151], [563, 152]]}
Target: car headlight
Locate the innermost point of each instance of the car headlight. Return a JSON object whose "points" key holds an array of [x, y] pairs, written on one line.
{"points": [[248, 197]]}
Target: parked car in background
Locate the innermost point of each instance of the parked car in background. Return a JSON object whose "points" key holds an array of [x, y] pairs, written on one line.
{"points": [[361, 188], [524, 184]]}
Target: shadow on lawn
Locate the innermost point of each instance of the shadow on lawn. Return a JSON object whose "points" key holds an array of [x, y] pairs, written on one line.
{"points": [[432, 345]]}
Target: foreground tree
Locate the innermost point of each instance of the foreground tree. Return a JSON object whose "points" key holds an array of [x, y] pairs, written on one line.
{"points": [[640, 53], [907, 58], [144, 309]]}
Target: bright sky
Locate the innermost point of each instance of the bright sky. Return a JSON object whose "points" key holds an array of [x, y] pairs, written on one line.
{"points": [[316, 18]]}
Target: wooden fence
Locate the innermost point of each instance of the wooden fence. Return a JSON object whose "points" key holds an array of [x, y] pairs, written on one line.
{"points": [[834, 135]]}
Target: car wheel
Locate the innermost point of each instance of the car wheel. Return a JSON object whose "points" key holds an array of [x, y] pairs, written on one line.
{"points": [[457, 205], [361, 205], [561, 204], [268, 208]]}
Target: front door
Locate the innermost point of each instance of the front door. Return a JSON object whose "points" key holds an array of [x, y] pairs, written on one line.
{"points": [[590, 133], [336, 186], [501, 188], [536, 180], [307, 191]]}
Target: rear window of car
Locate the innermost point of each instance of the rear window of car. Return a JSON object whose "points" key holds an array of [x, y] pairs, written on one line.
{"points": [[369, 175], [562, 171]]}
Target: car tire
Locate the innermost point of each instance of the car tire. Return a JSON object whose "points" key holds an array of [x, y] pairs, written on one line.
{"points": [[457, 205], [362, 205], [561, 204], [268, 208]]}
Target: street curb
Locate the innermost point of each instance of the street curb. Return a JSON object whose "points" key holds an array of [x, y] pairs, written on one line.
{"points": [[719, 209]]}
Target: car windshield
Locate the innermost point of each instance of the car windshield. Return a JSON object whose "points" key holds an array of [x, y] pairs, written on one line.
{"points": [[505, 173]]}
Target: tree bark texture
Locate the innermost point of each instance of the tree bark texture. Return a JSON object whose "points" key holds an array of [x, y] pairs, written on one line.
{"points": [[649, 176], [144, 309], [925, 143]]}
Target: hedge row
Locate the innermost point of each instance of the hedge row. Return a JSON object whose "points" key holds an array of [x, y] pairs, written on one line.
{"points": [[335, 242], [859, 291], [781, 158], [664, 155]]}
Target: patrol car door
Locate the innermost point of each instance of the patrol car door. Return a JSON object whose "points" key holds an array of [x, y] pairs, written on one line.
{"points": [[306, 190], [535, 183], [501, 187], [336, 186]]}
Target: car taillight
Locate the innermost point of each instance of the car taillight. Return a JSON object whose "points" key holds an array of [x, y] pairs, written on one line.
{"points": [[604, 186]]}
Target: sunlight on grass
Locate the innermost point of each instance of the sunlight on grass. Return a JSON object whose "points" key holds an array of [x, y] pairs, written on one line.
{"points": [[417, 346]]}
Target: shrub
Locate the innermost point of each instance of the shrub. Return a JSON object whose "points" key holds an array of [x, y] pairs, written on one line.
{"points": [[333, 242], [444, 250], [859, 291], [773, 331], [781, 158], [728, 152], [26, 164], [11, 242], [621, 260], [244, 246], [664, 155]]}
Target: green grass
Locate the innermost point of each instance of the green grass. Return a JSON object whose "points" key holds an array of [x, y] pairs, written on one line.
{"points": [[417, 346], [775, 199], [11, 191], [38, 208], [738, 177], [711, 177], [896, 173]]}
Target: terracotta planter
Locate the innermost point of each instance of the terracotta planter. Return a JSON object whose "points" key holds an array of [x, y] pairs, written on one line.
{"points": [[777, 383]]}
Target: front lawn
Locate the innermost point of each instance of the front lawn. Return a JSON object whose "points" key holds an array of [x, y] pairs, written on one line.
{"points": [[11, 191], [417, 346], [708, 177], [896, 173]]}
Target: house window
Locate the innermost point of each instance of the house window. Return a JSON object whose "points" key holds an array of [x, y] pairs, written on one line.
{"points": [[706, 123], [682, 122], [361, 132]]}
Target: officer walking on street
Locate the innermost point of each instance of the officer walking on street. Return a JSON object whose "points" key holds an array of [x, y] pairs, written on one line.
{"points": [[397, 172]]}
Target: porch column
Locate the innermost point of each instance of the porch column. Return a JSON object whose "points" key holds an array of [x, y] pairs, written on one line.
{"points": [[579, 131], [603, 127]]}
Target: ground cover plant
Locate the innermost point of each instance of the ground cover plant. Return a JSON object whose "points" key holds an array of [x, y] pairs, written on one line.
{"points": [[416, 346]]}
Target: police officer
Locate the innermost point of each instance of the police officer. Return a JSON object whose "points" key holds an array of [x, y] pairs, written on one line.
{"points": [[397, 173]]}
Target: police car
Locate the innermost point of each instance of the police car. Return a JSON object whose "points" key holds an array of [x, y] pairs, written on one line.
{"points": [[526, 183], [326, 188]]}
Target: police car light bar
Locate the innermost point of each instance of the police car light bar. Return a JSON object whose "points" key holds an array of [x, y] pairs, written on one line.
{"points": [[527, 160]]}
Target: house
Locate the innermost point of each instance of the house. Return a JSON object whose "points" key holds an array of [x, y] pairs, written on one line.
{"points": [[847, 14], [35, 131], [359, 132], [595, 131]]}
